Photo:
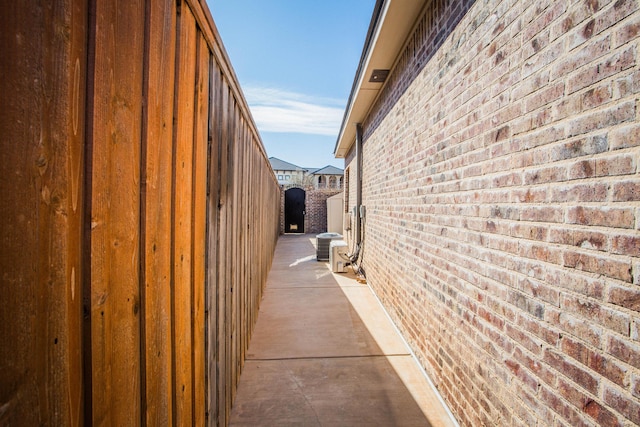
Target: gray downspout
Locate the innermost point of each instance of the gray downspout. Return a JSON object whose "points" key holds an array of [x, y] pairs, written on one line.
{"points": [[358, 185]]}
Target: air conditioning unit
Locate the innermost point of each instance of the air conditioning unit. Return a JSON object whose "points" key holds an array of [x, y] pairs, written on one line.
{"points": [[322, 245], [338, 258]]}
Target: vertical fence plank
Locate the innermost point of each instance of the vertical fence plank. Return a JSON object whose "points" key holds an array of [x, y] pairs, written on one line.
{"points": [[41, 151], [115, 192], [182, 220], [235, 241], [213, 235], [71, 395], [156, 185], [201, 134], [229, 248], [222, 262]]}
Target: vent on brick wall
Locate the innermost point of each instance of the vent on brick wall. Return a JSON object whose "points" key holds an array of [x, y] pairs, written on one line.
{"points": [[379, 76]]}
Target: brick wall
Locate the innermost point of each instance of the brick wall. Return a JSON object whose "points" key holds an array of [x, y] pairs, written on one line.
{"points": [[315, 220], [502, 189]]}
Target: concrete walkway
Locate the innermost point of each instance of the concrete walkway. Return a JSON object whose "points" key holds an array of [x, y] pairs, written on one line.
{"points": [[324, 353]]}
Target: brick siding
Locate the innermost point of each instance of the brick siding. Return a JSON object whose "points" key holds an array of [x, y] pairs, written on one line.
{"points": [[502, 189], [315, 220]]}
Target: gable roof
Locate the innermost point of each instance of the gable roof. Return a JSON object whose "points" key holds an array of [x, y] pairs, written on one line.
{"points": [[391, 24], [328, 170], [281, 165]]}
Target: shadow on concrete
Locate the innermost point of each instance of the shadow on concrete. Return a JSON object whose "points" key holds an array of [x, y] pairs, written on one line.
{"points": [[314, 361]]}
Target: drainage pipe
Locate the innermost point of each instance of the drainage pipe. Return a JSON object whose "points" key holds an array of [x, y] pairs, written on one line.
{"points": [[358, 184]]}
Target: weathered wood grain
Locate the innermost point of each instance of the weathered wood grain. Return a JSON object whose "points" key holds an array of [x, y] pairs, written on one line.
{"points": [[183, 216], [213, 293], [138, 226], [115, 212], [157, 164], [42, 126], [199, 249]]}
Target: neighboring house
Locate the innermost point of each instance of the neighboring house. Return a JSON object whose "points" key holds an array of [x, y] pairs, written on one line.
{"points": [[495, 149], [327, 177], [289, 174]]}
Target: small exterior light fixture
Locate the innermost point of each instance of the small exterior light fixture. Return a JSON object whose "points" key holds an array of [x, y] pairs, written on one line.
{"points": [[378, 76]]}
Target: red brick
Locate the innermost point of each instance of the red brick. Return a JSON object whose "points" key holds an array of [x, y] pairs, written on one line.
{"points": [[608, 368], [601, 414], [597, 313], [522, 338], [545, 175], [582, 169], [544, 97], [594, 73], [529, 85], [575, 16], [563, 236], [626, 191], [568, 107], [580, 193], [530, 195], [594, 360], [559, 406], [624, 351], [543, 331], [623, 403], [590, 240], [541, 214], [589, 52], [532, 401], [602, 119], [623, 86], [597, 264], [601, 216], [596, 96], [588, 332], [635, 330], [540, 290], [626, 245], [574, 349], [625, 137], [535, 365], [545, 19], [527, 379], [542, 118], [542, 59], [627, 32], [571, 393], [567, 279], [613, 166], [572, 371], [580, 148], [635, 386], [612, 15]]}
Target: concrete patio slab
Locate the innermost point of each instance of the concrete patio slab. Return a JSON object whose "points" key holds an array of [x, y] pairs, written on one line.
{"points": [[324, 353]]}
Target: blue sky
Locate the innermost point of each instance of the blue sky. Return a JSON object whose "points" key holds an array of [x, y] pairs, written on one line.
{"points": [[295, 61]]}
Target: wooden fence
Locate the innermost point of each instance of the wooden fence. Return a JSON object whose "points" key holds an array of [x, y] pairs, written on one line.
{"points": [[139, 215]]}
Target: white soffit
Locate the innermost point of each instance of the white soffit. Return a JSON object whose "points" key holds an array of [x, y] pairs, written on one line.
{"points": [[397, 19]]}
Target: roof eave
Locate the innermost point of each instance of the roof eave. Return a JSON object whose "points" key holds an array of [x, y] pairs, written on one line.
{"points": [[390, 26]]}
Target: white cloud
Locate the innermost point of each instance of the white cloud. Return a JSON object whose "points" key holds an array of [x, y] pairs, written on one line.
{"points": [[276, 110]]}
